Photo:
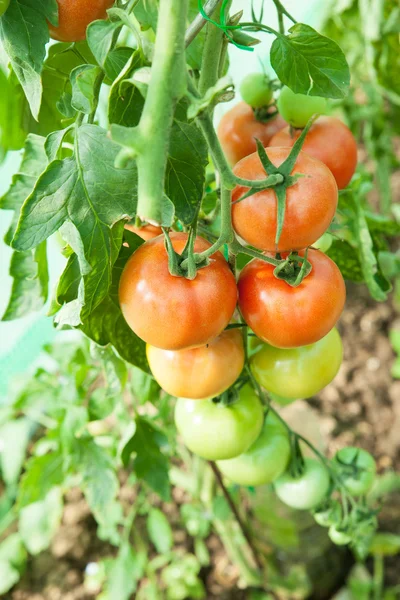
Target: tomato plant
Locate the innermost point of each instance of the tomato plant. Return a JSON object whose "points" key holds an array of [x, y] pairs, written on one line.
{"points": [[330, 141], [239, 128], [339, 536], [265, 460], [114, 117], [75, 15], [356, 468], [306, 313], [190, 312], [310, 204], [298, 372], [217, 431], [202, 372], [304, 491]]}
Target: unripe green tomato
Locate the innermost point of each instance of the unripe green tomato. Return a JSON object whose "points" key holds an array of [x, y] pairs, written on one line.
{"points": [[338, 537], [217, 432], [295, 373], [329, 515], [297, 109], [255, 90], [4, 4], [308, 490], [324, 242], [356, 468], [265, 460]]}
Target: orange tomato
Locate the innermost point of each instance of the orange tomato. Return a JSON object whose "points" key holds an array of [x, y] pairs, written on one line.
{"points": [[75, 15], [330, 141], [174, 312], [199, 373], [239, 128], [288, 317], [146, 232], [310, 204]]}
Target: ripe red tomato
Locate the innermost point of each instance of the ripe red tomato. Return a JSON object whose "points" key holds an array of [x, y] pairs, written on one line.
{"points": [[288, 317], [173, 312], [310, 204], [75, 15], [202, 372], [239, 128], [146, 232], [330, 141]]}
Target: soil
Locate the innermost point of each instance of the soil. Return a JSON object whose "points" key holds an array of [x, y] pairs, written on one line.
{"points": [[362, 407]]}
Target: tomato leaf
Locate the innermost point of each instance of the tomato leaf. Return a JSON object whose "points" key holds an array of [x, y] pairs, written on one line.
{"points": [[185, 174], [126, 102], [149, 463], [159, 530], [310, 63], [30, 282], [83, 80], [41, 474], [125, 572], [87, 191], [24, 33], [39, 521], [346, 258], [99, 35]]}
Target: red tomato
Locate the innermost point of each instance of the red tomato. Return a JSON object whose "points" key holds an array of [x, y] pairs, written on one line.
{"points": [[239, 128], [199, 373], [173, 312], [288, 317], [146, 232], [310, 204], [75, 15], [330, 141]]}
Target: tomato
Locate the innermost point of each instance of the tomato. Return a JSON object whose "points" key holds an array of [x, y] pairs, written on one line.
{"points": [[174, 312], [356, 468], [239, 128], [256, 90], [308, 490], [201, 372], [265, 460], [328, 515], [75, 15], [339, 536], [330, 141], [310, 204], [297, 109], [288, 317], [298, 372], [4, 4], [324, 242], [146, 232], [217, 432]]}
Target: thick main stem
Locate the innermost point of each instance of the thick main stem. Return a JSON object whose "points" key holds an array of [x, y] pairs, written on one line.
{"points": [[167, 85]]}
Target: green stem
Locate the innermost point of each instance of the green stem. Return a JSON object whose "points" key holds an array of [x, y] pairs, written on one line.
{"points": [[199, 21], [378, 576], [211, 54], [156, 121]]}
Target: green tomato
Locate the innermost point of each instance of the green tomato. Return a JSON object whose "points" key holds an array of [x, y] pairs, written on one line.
{"points": [[356, 468], [338, 536], [255, 90], [324, 242], [308, 490], [328, 514], [265, 460], [297, 109], [218, 432], [4, 4], [302, 372]]}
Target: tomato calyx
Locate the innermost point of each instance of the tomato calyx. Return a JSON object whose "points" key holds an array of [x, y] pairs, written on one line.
{"points": [[183, 265], [265, 114], [293, 269]]}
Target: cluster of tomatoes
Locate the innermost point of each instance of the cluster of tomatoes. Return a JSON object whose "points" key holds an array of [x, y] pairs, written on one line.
{"points": [[197, 354]]}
